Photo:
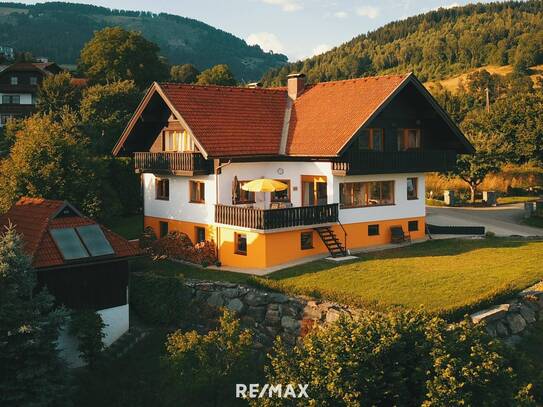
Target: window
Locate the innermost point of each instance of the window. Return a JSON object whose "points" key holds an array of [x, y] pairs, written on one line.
{"points": [[171, 141], [413, 225], [187, 143], [412, 188], [162, 188], [14, 80], [359, 194], [306, 240], [200, 234], [33, 80], [163, 226], [408, 139], [11, 99], [197, 191], [4, 119], [241, 244], [282, 196], [371, 139], [373, 230], [241, 196]]}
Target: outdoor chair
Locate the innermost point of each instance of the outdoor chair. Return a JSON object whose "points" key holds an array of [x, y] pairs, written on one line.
{"points": [[398, 235]]}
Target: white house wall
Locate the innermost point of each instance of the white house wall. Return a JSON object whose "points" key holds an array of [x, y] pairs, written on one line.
{"points": [[178, 206], [402, 208]]}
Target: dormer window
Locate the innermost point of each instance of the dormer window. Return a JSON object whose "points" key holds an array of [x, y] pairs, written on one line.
{"points": [[371, 139], [408, 139], [14, 80]]}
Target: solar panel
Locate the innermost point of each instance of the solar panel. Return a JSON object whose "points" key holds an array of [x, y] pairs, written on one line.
{"points": [[95, 240], [68, 243]]}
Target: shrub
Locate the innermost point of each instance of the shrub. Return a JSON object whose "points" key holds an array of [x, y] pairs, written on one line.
{"points": [[88, 327], [404, 358], [158, 299], [206, 368], [178, 245]]}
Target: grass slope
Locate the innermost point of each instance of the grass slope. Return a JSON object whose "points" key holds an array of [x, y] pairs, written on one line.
{"points": [[445, 277], [451, 84]]}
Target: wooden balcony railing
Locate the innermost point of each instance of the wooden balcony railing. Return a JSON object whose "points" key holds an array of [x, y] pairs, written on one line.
{"points": [[383, 162], [265, 219], [172, 163]]}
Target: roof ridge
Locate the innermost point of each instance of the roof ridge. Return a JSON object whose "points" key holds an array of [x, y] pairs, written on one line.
{"points": [[220, 87], [361, 79]]}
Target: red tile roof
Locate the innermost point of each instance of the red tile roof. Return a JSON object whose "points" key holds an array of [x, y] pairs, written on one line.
{"points": [[327, 115], [33, 217], [230, 121]]}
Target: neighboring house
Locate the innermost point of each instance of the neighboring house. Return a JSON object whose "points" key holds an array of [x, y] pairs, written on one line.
{"points": [[352, 152], [7, 52], [19, 85], [82, 264]]}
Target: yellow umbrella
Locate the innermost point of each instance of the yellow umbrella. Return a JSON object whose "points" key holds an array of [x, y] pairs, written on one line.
{"points": [[264, 185]]}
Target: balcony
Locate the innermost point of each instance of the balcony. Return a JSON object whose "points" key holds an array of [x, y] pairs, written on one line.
{"points": [[188, 164], [269, 219], [387, 162]]}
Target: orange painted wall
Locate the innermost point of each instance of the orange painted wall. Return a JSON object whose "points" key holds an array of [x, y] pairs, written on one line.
{"points": [[272, 249], [189, 228]]}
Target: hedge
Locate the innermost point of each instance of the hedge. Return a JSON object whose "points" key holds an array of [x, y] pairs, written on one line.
{"points": [[159, 299]]}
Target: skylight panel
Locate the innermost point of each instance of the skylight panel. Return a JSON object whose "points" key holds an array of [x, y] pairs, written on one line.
{"points": [[68, 243], [94, 240]]}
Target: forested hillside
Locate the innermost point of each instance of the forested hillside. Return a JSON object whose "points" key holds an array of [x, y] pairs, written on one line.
{"points": [[434, 45], [59, 31]]}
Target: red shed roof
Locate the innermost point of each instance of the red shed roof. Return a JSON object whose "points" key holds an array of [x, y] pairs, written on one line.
{"points": [[34, 217]]}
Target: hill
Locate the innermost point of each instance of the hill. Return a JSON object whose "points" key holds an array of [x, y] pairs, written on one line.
{"points": [[434, 45], [59, 31], [451, 84]]}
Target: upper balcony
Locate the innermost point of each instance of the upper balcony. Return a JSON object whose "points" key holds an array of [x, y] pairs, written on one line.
{"points": [[269, 219], [357, 162], [174, 163]]}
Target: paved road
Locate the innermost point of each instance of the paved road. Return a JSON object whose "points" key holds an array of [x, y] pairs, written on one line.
{"points": [[502, 220]]}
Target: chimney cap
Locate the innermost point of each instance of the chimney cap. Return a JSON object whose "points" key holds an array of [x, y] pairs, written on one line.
{"points": [[296, 75]]}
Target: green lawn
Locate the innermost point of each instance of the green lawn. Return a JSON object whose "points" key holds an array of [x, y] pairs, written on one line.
{"points": [[503, 200], [534, 221], [444, 276], [129, 227], [168, 267]]}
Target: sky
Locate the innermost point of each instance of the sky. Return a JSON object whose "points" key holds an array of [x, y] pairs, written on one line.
{"points": [[296, 28]]}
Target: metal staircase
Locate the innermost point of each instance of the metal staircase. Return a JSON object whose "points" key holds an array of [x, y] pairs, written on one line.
{"points": [[331, 241]]}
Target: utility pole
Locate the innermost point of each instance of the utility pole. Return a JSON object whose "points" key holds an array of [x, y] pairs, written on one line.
{"points": [[487, 100]]}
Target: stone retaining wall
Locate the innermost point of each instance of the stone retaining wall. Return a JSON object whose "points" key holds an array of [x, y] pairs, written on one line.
{"points": [[268, 314], [511, 320], [271, 314]]}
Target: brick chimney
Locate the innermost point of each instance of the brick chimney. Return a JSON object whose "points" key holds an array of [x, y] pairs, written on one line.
{"points": [[295, 85]]}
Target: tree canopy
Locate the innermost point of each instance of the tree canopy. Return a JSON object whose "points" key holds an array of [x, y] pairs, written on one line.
{"points": [[433, 45], [57, 91], [186, 73], [32, 373], [115, 54], [218, 75]]}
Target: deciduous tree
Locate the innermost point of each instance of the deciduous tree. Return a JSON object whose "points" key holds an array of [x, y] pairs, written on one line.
{"points": [[186, 73], [114, 54], [217, 75]]}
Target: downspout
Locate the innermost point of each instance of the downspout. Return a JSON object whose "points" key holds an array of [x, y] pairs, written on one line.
{"points": [[217, 228]]}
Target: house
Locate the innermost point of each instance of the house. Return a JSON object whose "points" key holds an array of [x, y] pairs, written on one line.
{"points": [[353, 154], [82, 264], [7, 52], [19, 85]]}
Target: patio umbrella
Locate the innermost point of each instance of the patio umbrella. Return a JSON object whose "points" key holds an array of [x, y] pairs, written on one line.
{"points": [[264, 185]]}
